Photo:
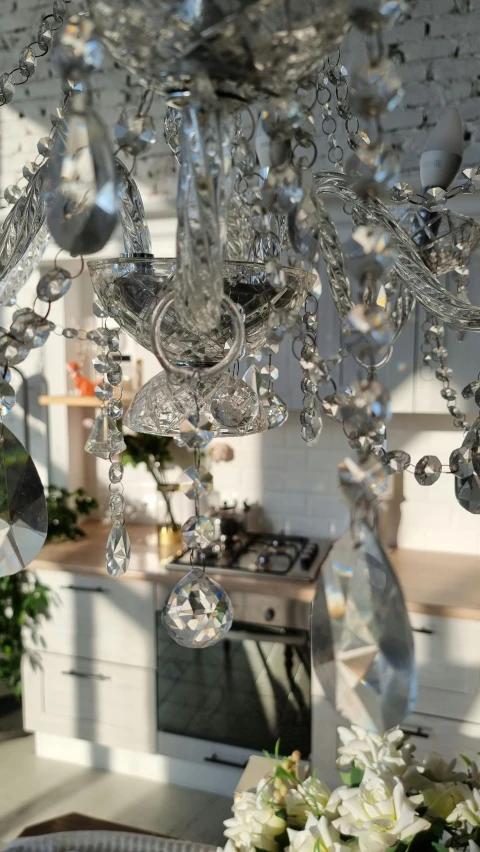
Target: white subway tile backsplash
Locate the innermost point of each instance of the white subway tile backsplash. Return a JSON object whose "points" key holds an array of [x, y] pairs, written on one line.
{"points": [[297, 485]]}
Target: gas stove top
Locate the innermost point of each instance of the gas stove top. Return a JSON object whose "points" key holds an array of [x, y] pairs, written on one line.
{"points": [[288, 557]]}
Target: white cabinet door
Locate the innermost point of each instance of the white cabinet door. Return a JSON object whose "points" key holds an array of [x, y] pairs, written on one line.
{"points": [[445, 736], [100, 618], [105, 703], [447, 653]]}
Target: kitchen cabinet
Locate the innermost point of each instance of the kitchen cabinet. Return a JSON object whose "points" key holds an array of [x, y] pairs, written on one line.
{"points": [[447, 711], [94, 675]]}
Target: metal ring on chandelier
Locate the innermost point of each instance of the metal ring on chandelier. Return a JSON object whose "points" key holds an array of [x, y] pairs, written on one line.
{"points": [[234, 352]]}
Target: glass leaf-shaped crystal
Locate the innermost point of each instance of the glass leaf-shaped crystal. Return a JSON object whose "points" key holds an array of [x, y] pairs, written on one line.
{"points": [[136, 234], [23, 238], [118, 551], [105, 439], [362, 645], [198, 612], [81, 190], [23, 507]]}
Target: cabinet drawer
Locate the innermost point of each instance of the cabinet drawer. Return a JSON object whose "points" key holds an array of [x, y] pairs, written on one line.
{"points": [[447, 653], [445, 736], [99, 618], [106, 703]]}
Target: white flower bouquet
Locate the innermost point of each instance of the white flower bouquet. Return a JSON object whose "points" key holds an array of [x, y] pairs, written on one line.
{"points": [[389, 800]]}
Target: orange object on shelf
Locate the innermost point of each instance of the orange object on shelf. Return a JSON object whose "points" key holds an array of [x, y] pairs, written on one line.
{"points": [[83, 385]]}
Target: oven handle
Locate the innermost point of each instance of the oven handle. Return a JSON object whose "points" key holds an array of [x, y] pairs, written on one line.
{"points": [[214, 758], [299, 641]]}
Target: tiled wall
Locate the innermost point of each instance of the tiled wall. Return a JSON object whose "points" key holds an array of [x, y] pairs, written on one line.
{"points": [[297, 484]]}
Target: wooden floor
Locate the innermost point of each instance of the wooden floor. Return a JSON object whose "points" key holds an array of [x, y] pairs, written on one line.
{"points": [[33, 789]]}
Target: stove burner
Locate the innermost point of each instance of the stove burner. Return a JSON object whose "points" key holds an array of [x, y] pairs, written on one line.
{"points": [[287, 556]]}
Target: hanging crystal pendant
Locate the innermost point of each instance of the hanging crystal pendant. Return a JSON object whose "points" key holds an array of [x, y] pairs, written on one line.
{"points": [[81, 184], [198, 612], [362, 645], [23, 507], [275, 409], [118, 550], [467, 488], [105, 439]]}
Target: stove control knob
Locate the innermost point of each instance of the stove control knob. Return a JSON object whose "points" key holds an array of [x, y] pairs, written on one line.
{"points": [[269, 614], [308, 556]]}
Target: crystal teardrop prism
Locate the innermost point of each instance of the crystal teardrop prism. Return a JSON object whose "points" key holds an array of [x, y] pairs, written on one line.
{"points": [[105, 439], [81, 184], [118, 551], [23, 507], [362, 645], [198, 612]]}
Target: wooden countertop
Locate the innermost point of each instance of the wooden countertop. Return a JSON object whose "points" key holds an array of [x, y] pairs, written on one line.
{"points": [[87, 556], [445, 584], [437, 583]]}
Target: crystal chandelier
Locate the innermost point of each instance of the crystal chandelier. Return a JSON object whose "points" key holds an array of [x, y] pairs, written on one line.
{"points": [[252, 88]]}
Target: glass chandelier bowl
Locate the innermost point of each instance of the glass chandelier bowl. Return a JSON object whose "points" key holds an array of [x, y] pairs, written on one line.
{"points": [[246, 47], [162, 405], [136, 285], [444, 239]]}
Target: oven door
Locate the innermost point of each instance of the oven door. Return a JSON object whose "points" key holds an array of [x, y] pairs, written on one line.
{"points": [[249, 690]]}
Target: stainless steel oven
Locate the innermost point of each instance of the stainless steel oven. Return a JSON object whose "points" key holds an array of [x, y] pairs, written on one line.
{"points": [[252, 688]]}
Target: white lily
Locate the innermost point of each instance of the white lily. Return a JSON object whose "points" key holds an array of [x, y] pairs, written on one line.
{"points": [[386, 754], [253, 826], [379, 813], [317, 836], [432, 769], [311, 795], [468, 811]]}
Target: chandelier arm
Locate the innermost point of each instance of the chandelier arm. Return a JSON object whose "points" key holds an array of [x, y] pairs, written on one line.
{"points": [[412, 271]]}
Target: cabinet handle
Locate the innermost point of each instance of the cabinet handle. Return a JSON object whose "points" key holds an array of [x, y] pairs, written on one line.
{"points": [[416, 732], [423, 630], [87, 675], [74, 588]]}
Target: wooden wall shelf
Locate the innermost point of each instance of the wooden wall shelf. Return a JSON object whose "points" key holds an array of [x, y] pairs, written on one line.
{"points": [[78, 401]]}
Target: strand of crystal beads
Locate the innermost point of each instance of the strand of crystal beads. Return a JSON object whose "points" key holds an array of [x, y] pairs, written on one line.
{"points": [[44, 145], [198, 612], [7, 392], [433, 349], [27, 61], [135, 130], [315, 372], [106, 439]]}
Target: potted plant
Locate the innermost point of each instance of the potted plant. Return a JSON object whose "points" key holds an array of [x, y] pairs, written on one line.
{"points": [[155, 453]]}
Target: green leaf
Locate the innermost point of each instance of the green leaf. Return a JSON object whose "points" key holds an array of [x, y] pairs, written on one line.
{"points": [[277, 749], [353, 778], [466, 759]]}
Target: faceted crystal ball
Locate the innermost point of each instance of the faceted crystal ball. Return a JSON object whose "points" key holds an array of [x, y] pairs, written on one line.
{"points": [[198, 612], [246, 47], [235, 405]]}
